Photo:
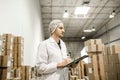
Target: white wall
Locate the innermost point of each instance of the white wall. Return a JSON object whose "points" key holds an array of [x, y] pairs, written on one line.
{"points": [[23, 18]]}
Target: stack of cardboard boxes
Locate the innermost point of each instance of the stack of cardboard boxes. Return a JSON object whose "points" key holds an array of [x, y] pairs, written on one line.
{"points": [[6, 56], [104, 61], [95, 48], [26, 73], [18, 48], [78, 72], [112, 64], [11, 58]]}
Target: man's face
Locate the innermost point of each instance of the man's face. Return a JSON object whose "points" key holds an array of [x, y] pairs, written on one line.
{"points": [[59, 30]]}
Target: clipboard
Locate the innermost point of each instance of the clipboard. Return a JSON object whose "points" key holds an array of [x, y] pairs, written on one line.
{"points": [[76, 61]]}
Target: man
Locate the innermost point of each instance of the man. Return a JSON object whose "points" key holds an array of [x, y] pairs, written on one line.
{"points": [[52, 54]]}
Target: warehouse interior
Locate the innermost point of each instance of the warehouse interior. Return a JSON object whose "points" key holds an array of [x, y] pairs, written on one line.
{"points": [[28, 20]]}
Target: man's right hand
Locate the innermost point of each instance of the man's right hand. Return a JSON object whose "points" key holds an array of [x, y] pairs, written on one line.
{"points": [[63, 63]]}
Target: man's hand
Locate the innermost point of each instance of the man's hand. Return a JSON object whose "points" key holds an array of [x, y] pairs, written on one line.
{"points": [[63, 63]]}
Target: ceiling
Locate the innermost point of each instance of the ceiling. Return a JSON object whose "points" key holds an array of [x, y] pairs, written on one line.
{"points": [[97, 16]]}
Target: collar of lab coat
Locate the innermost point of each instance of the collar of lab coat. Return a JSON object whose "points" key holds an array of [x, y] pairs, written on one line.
{"points": [[52, 40]]}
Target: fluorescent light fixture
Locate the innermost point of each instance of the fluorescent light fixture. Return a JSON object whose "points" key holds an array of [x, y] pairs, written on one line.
{"points": [[89, 30], [82, 10], [66, 14], [112, 15], [83, 37], [93, 29]]}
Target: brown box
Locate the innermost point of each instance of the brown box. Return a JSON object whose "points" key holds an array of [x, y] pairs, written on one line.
{"points": [[15, 60], [91, 77], [118, 68], [118, 76], [112, 76], [3, 73], [105, 59], [19, 63], [82, 69], [7, 45], [94, 68], [101, 66], [110, 59], [23, 73], [27, 70], [109, 50], [20, 39], [7, 37], [116, 49], [91, 48], [4, 61], [100, 47], [115, 58], [86, 69], [89, 42], [98, 41], [20, 47]]}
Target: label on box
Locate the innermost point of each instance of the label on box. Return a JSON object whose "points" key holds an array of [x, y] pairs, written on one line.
{"points": [[90, 70]]}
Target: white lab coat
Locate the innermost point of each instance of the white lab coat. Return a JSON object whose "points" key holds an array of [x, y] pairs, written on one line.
{"points": [[49, 54]]}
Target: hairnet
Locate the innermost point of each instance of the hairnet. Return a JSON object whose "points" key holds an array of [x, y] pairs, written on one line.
{"points": [[53, 25]]}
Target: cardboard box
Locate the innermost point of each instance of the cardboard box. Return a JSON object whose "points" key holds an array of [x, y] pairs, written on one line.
{"points": [[98, 41], [118, 76], [94, 68], [7, 38], [116, 58], [86, 69], [3, 73], [91, 49], [118, 68], [28, 71], [101, 66], [110, 59], [4, 61], [116, 49], [109, 50], [112, 76], [91, 77], [18, 39], [100, 47], [105, 59], [89, 42], [23, 73]]}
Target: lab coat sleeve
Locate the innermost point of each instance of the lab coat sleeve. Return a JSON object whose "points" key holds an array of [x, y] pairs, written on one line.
{"points": [[42, 64]]}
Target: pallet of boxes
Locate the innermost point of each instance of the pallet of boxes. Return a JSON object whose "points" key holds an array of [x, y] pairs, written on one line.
{"points": [[104, 61], [6, 45], [11, 58], [95, 48], [112, 62], [77, 73], [20, 70]]}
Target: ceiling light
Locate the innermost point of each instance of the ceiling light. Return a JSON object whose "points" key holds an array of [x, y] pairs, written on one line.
{"points": [[83, 37], [82, 10], [93, 28], [66, 14], [112, 15], [89, 30]]}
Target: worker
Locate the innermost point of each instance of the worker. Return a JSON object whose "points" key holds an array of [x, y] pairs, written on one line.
{"points": [[52, 54]]}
